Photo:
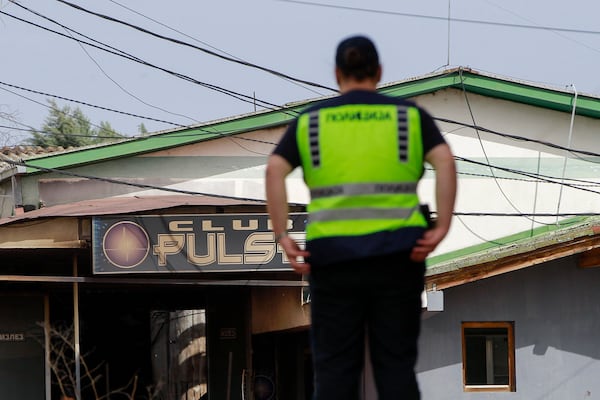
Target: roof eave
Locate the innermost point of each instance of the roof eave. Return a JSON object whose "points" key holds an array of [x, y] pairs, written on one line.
{"points": [[456, 78], [524, 253]]}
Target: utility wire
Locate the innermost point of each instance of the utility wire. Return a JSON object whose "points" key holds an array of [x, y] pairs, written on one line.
{"points": [[537, 177], [545, 178], [180, 42], [189, 192], [474, 126], [31, 128], [236, 95], [87, 53], [446, 120], [204, 43], [536, 24], [69, 30], [88, 104], [533, 214], [481, 142], [517, 138], [120, 182], [445, 19], [440, 119], [548, 178]]}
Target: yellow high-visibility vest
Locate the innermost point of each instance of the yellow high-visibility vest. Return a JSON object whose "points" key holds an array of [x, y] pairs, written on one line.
{"points": [[362, 163]]}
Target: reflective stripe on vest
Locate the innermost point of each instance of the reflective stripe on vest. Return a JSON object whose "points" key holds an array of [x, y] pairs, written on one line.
{"points": [[356, 189], [361, 214], [313, 137], [402, 134]]}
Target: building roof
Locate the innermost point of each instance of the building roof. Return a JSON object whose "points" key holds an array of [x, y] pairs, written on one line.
{"points": [[126, 205], [543, 244], [456, 78], [9, 154]]}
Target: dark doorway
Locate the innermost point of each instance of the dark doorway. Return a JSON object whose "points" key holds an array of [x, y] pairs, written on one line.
{"points": [[282, 366]]}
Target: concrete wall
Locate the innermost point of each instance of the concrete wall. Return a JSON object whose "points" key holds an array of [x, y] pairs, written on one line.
{"points": [[555, 309]]}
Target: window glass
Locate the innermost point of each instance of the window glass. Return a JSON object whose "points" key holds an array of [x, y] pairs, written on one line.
{"points": [[488, 356]]}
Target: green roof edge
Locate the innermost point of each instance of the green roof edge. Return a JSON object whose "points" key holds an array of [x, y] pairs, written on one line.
{"points": [[457, 78], [482, 248]]}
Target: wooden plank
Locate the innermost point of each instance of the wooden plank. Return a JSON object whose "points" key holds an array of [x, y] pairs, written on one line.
{"points": [[589, 259], [43, 233], [512, 263]]}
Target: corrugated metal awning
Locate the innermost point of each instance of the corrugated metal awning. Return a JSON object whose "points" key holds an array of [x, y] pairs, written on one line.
{"points": [[125, 205]]}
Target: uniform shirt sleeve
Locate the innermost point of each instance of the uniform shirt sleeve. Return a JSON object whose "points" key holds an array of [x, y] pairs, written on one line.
{"points": [[287, 146], [431, 133]]}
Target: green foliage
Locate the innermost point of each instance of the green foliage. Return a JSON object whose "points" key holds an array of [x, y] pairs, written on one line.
{"points": [[70, 128], [142, 129]]}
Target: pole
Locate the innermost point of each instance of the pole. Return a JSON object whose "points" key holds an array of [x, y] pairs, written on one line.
{"points": [[76, 331]]}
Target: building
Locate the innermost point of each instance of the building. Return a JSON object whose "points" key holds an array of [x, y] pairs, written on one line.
{"points": [[200, 300]]}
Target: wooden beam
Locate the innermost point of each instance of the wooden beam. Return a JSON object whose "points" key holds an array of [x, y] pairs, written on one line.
{"points": [[44, 233], [589, 259], [471, 273]]}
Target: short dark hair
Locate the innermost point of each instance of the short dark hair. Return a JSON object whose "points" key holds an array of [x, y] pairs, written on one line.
{"points": [[357, 57]]}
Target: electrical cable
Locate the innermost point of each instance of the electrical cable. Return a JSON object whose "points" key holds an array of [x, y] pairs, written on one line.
{"points": [[536, 24], [30, 128], [236, 95], [534, 214], [533, 177], [481, 143], [474, 126], [517, 138], [478, 236], [188, 192], [440, 119], [66, 134], [68, 30], [119, 182], [445, 19], [204, 43], [85, 104], [87, 53], [545, 178], [180, 42]]}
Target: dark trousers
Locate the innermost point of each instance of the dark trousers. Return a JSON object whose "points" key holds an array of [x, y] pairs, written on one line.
{"points": [[380, 297]]}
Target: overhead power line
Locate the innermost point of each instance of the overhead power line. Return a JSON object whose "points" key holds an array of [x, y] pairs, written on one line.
{"points": [[204, 43], [120, 53], [88, 104], [446, 18], [207, 51], [545, 178], [191, 192], [518, 138], [120, 182]]}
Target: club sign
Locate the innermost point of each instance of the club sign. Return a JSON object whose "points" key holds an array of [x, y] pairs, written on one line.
{"points": [[190, 243]]}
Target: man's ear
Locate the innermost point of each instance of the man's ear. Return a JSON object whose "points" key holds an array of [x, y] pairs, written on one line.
{"points": [[338, 75], [379, 74]]}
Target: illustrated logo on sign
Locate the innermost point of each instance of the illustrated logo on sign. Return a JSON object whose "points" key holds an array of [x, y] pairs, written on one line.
{"points": [[126, 244]]}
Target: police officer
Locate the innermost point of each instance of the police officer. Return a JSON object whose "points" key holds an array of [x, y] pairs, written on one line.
{"points": [[362, 155]]}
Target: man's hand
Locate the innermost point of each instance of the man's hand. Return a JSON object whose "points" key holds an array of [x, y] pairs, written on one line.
{"points": [[442, 160], [427, 243], [293, 252]]}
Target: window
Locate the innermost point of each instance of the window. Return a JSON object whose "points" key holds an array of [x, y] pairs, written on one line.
{"points": [[488, 356]]}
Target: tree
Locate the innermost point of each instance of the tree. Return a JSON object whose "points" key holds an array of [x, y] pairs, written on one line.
{"points": [[142, 129], [10, 118], [70, 128]]}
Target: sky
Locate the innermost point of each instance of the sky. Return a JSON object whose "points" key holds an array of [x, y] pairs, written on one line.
{"points": [[550, 43]]}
